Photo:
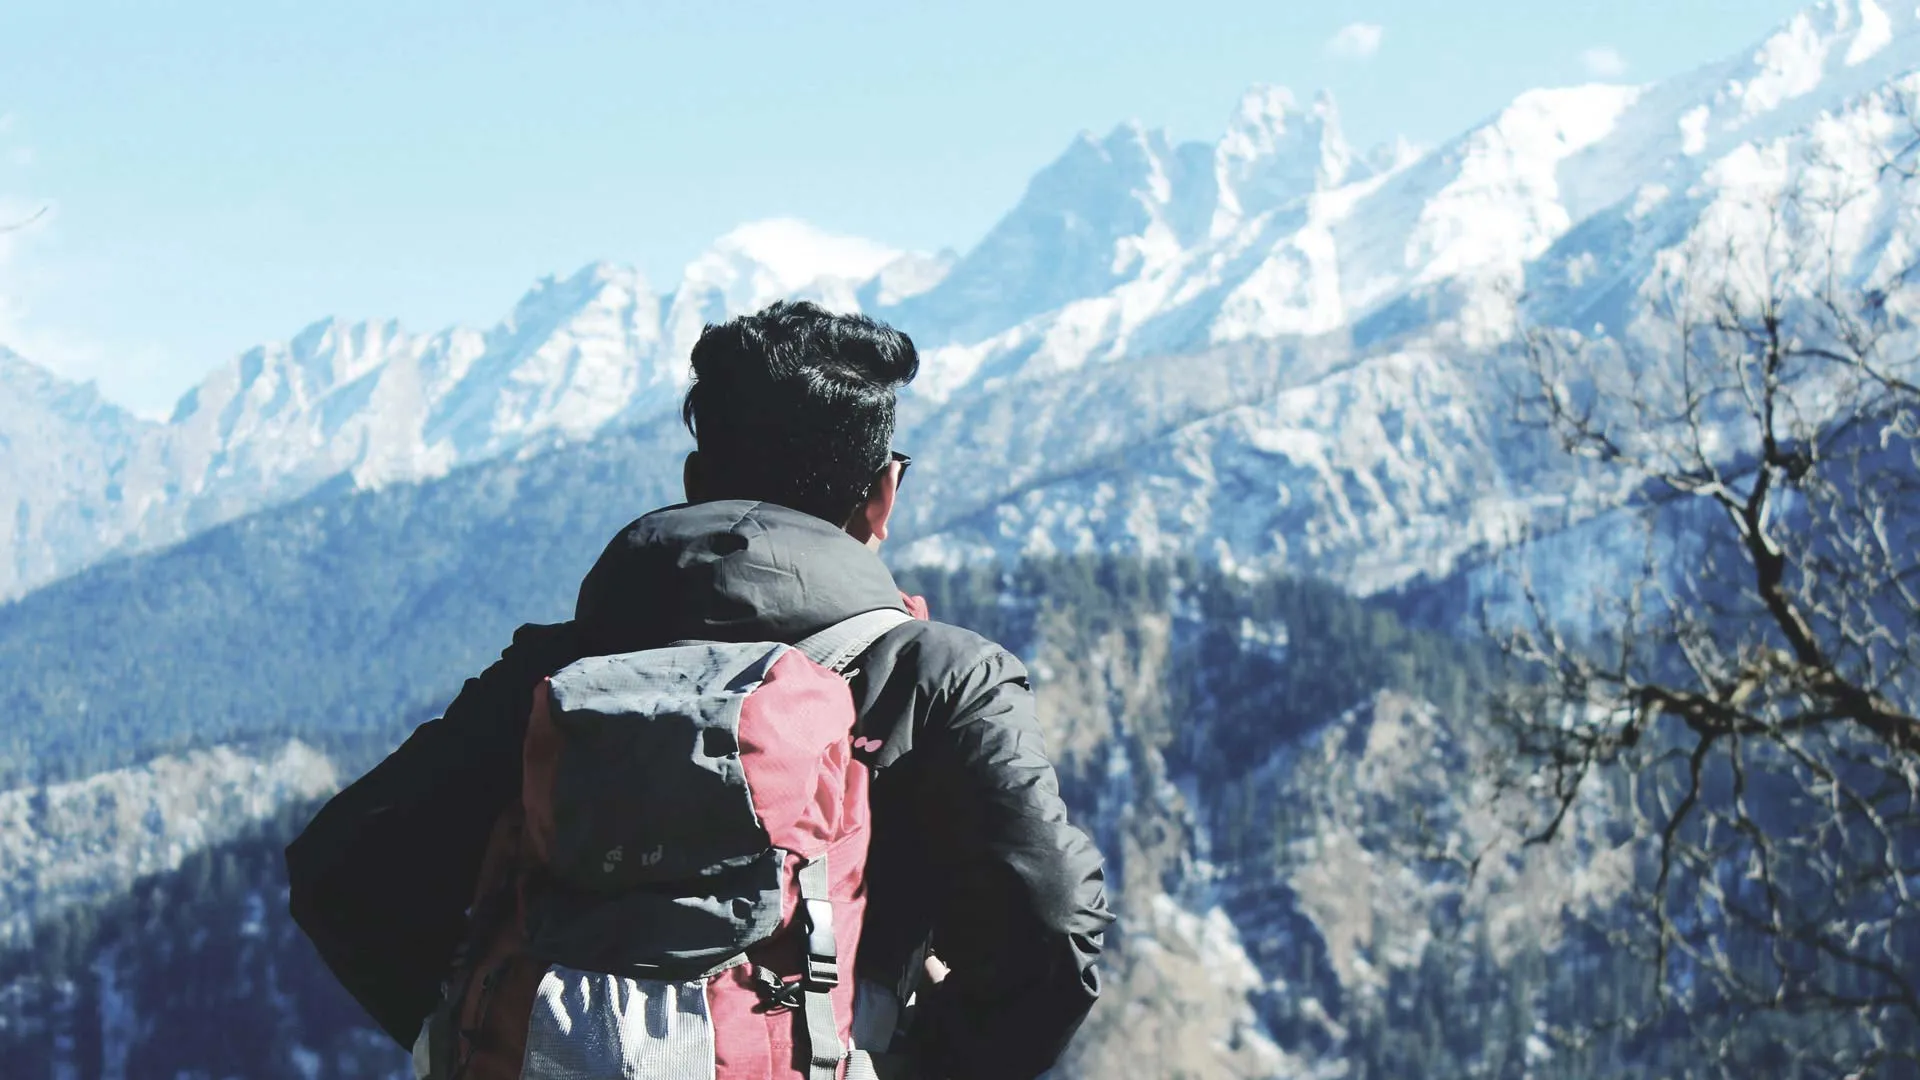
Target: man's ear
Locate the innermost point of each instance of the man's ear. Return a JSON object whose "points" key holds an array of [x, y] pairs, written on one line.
{"points": [[693, 477], [870, 519]]}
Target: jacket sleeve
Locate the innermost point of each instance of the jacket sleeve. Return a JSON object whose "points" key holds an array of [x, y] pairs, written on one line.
{"points": [[380, 880], [1024, 907]]}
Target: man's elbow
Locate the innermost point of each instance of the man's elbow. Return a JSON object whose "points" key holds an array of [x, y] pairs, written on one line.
{"points": [[310, 901], [1070, 891]]}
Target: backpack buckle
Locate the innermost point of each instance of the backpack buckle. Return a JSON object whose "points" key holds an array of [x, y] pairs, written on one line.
{"points": [[823, 956], [778, 994]]}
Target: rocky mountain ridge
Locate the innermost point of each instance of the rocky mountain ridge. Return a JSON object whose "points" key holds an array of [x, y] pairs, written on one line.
{"points": [[361, 405], [1129, 247]]}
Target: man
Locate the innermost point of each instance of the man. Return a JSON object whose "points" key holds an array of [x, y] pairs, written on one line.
{"points": [[789, 495]]}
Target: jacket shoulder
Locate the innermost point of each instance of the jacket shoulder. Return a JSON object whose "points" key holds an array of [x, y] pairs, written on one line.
{"points": [[926, 676], [946, 658]]}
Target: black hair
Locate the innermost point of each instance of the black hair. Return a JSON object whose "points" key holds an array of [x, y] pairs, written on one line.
{"points": [[794, 405]]}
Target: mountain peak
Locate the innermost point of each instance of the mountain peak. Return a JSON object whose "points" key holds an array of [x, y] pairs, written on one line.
{"points": [[29, 384], [1264, 106], [581, 288], [1275, 151], [794, 253], [335, 352], [1392, 156], [1126, 245], [1839, 48], [1118, 166], [1075, 233]]}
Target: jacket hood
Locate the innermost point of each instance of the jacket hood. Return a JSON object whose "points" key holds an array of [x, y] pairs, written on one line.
{"points": [[727, 571]]}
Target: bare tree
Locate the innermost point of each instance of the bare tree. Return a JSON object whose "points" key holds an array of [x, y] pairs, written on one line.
{"points": [[1744, 698]]}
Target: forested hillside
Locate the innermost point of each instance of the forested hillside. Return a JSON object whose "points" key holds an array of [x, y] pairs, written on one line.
{"points": [[197, 972], [338, 620], [185, 956], [1277, 772]]}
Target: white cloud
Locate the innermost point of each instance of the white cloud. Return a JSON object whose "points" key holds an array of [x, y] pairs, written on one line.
{"points": [[1356, 41], [1604, 62]]}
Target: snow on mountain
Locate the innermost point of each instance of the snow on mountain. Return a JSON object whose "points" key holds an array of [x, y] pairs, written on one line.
{"points": [[63, 449], [88, 840], [1300, 236], [368, 404], [1572, 206], [335, 398], [1127, 231], [1299, 241], [1105, 212], [1368, 473], [1274, 153], [764, 261], [907, 276], [1305, 237], [1127, 247], [573, 356]]}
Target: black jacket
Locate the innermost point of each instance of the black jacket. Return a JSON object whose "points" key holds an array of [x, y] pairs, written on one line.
{"points": [[971, 845]]}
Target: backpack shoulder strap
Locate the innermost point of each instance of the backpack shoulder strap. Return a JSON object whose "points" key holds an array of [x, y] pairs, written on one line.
{"points": [[837, 646]]}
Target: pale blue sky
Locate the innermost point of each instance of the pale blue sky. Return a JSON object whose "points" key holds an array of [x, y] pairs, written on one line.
{"points": [[222, 174]]}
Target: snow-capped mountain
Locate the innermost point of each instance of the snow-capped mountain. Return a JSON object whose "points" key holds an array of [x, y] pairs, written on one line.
{"points": [[1370, 473], [1280, 229], [1128, 247], [1115, 242], [367, 404], [63, 449], [1385, 454], [765, 261]]}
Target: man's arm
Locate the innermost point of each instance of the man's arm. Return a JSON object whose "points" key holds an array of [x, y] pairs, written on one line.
{"points": [[381, 878], [1021, 920]]}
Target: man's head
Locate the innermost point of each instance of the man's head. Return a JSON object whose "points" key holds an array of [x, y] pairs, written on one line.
{"points": [[794, 405]]}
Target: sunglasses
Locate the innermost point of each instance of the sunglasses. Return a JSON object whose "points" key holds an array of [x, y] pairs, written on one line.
{"points": [[894, 457]]}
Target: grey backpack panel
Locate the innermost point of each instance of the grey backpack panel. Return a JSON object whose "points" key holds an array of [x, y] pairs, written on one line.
{"points": [[649, 786], [681, 933]]}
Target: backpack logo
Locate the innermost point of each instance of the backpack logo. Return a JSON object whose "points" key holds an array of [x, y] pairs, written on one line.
{"points": [[866, 745], [612, 859]]}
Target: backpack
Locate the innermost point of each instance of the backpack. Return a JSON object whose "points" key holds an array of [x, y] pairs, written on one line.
{"points": [[680, 890]]}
